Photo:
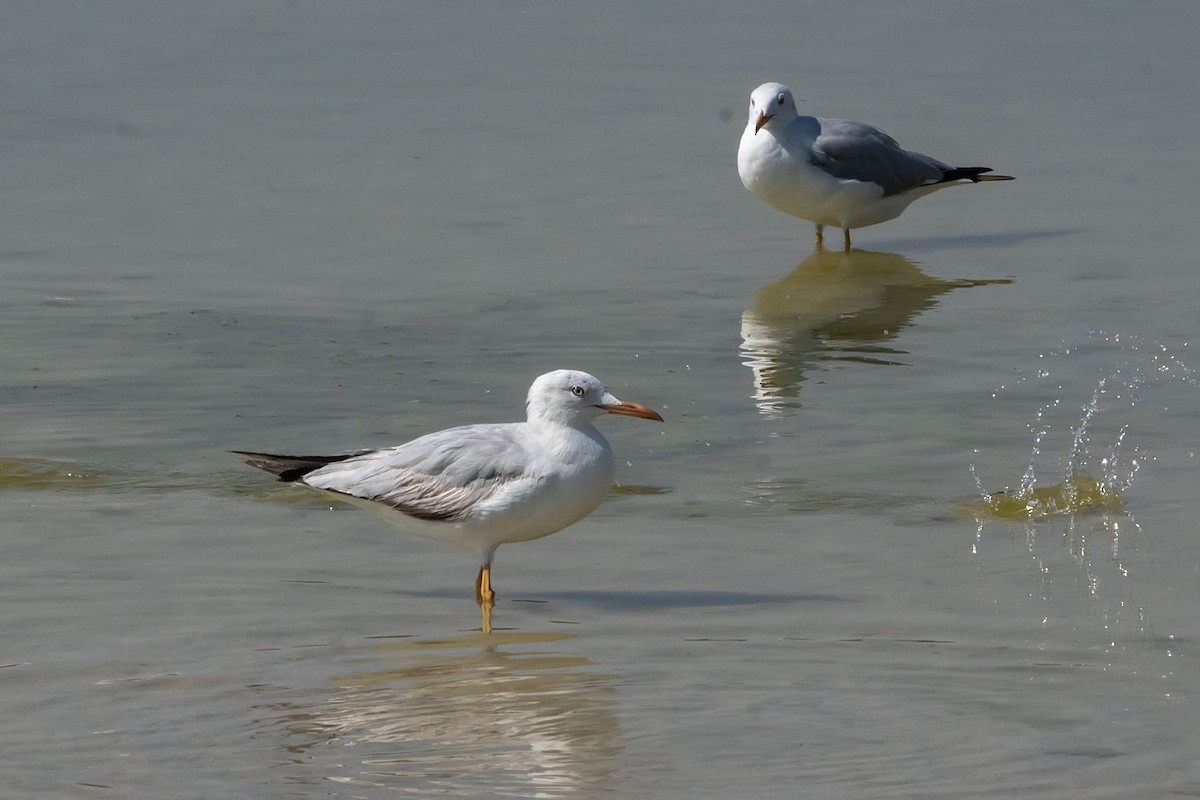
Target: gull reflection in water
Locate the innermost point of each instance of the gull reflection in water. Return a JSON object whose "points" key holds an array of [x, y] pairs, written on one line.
{"points": [[473, 716], [835, 306]]}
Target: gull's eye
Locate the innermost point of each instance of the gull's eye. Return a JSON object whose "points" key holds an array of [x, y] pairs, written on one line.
{"points": [[779, 99], [578, 391]]}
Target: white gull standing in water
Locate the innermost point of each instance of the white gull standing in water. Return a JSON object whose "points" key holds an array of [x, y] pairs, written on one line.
{"points": [[833, 171], [480, 486]]}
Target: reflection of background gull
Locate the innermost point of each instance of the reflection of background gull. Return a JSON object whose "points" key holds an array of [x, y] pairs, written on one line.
{"points": [[459, 717], [835, 306]]}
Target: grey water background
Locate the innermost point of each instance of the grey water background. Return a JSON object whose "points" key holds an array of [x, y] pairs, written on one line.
{"points": [[300, 226]]}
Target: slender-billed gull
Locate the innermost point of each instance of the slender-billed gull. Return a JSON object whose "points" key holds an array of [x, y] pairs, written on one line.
{"points": [[480, 486], [833, 171]]}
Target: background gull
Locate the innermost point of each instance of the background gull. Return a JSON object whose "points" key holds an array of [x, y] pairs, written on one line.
{"points": [[480, 486], [834, 171]]}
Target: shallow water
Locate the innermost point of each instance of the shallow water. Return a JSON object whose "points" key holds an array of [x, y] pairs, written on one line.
{"points": [[329, 227]]}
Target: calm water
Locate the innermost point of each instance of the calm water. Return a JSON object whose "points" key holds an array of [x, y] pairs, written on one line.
{"points": [[311, 227]]}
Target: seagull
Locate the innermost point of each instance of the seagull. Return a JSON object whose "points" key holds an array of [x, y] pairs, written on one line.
{"points": [[480, 486], [834, 171]]}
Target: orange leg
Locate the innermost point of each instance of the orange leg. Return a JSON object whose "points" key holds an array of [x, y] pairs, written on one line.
{"points": [[485, 596], [846, 238], [483, 586]]}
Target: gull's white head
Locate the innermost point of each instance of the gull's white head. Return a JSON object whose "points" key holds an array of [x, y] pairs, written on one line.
{"points": [[772, 105], [570, 397]]}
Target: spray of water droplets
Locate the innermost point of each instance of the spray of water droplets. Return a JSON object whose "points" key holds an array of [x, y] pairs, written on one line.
{"points": [[1098, 465], [1092, 413]]}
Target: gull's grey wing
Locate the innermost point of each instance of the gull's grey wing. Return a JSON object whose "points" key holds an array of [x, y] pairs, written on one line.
{"points": [[856, 151], [443, 476]]}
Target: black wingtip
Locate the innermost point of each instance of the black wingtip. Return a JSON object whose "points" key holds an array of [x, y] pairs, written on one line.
{"points": [[289, 468], [973, 174]]}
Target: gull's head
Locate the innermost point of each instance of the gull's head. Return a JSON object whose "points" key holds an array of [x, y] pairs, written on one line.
{"points": [[570, 397], [772, 104]]}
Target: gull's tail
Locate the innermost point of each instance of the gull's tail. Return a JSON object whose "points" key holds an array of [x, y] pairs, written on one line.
{"points": [[291, 468], [973, 174]]}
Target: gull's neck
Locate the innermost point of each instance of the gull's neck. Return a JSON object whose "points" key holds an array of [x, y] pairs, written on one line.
{"points": [[550, 419]]}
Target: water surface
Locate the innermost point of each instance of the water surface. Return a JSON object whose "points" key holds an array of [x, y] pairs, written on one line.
{"points": [[322, 227]]}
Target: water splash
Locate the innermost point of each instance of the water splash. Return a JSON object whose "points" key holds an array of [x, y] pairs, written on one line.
{"points": [[1088, 482], [1101, 414], [1075, 494], [1099, 467]]}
